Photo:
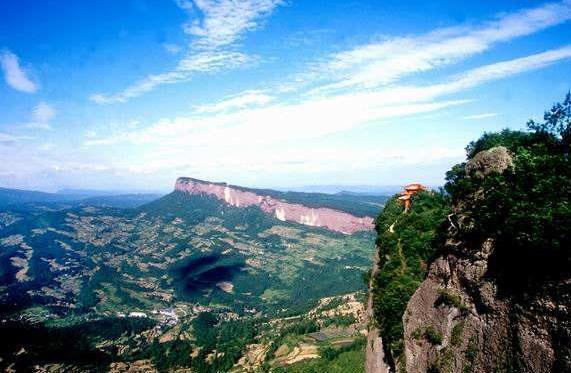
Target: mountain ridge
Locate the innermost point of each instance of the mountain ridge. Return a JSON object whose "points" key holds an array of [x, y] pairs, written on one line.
{"points": [[276, 204]]}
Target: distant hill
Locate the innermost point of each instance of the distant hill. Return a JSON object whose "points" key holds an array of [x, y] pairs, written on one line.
{"points": [[88, 193], [18, 197], [372, 190], [121, 201]]}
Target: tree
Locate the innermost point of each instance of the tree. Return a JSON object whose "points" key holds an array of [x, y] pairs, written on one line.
{"points": [[557, 122]]}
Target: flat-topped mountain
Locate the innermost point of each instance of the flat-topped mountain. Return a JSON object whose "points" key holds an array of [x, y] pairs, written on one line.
{"points": [[327, 213]]}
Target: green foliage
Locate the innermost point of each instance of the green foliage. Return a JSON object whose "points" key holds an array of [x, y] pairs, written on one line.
{"points": [[228, 339], [346, 359], [456, 334], [513, 140], [296, 328], [204, 331], [74, 344], [447, 298], [557, 122], [331, 353], [339, 320], [417, 333], [333, 303], [470, 354], [168, 355], [367, 277], [301, 327], [443, 363], [404, 256], [527, 208], [432, 335]]}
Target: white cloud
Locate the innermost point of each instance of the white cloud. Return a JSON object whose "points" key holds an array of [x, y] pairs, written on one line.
{"points": [[203, 62], [224, 21], [214, 34], [384, 62], [319, 116], [257, 132], [15, 76], [90, 134], [7, 139], [505, 69], [172, 48], [480, 116], [103, 141], [47, 146], [240, 101], [275, 124], [288, 160], [42, 115]]}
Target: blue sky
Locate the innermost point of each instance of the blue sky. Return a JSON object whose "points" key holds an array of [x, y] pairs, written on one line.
{"points": [[271, 93]]}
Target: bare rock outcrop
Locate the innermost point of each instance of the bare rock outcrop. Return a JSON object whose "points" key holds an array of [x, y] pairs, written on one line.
{"points": [[458, 322], [496, 159]]}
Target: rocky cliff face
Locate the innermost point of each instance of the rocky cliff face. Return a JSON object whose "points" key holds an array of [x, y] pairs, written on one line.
{"points": [[459, 320], [374, 352], [328, 218]]}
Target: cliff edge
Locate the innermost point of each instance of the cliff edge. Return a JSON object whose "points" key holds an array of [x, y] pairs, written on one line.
{"points": [[328, 218]]}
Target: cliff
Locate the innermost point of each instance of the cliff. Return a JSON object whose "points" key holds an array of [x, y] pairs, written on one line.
{"points": [[465, 318], [374, 350], [477, 277], [283, 210]]}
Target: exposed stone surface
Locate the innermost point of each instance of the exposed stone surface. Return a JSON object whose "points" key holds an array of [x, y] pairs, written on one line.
{"points": [[485, 162], [139, 366], [331, 219], [485, 332]]}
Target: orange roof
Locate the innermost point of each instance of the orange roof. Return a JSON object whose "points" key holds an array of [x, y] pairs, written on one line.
{"points": [[415, 186]]}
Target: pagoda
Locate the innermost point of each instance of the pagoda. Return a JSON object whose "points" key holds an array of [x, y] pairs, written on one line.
{"points": [[409, 191]]}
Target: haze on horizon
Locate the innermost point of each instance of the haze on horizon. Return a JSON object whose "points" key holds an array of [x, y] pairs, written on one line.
{"points": [[266, 93]]}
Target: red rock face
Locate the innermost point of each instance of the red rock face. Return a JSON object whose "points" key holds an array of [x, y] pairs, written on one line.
{"points": [[331, 219]]}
